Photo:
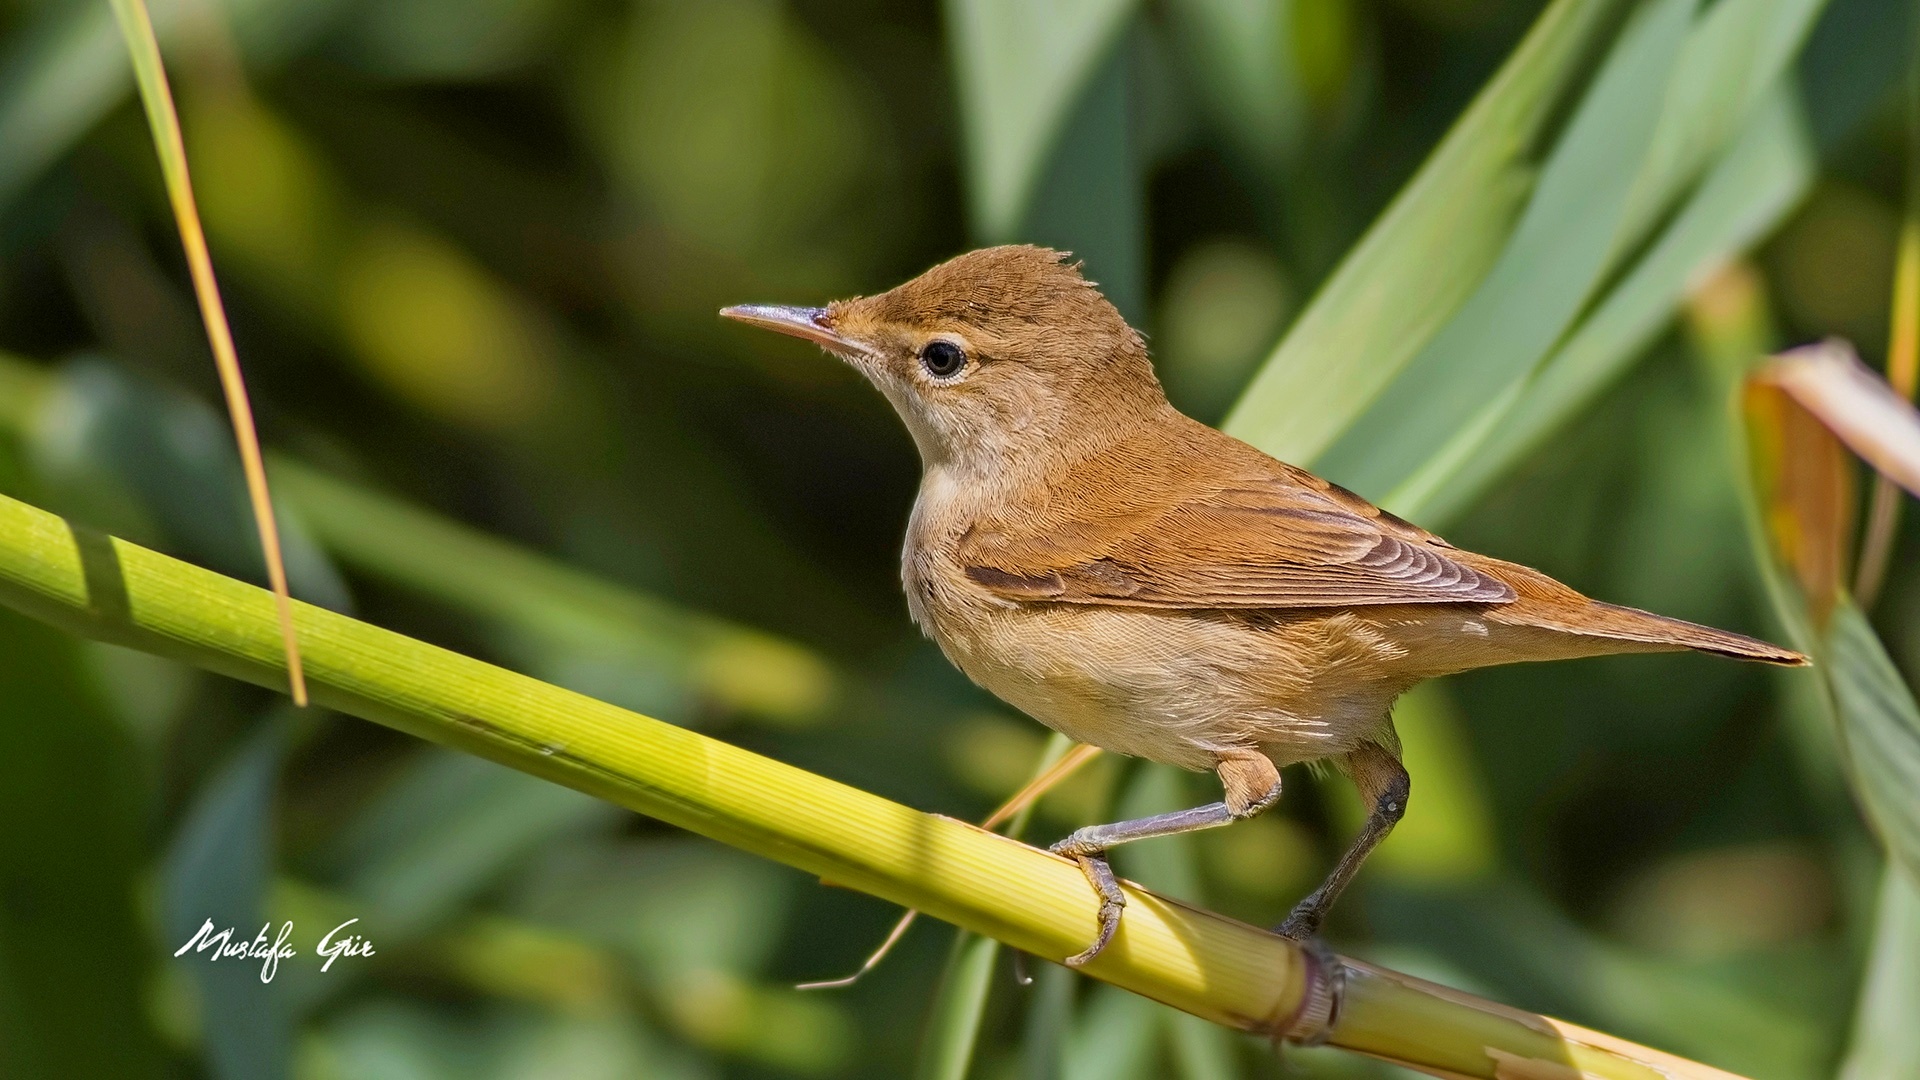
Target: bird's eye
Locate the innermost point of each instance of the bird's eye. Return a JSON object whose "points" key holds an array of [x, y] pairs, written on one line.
{"points": [[942, 359]]}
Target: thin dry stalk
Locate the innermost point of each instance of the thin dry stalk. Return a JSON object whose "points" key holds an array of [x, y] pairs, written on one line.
{"points": [[136, 25]]}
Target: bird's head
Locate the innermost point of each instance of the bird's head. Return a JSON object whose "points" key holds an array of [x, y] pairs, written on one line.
{"points": [[1001, 354]]}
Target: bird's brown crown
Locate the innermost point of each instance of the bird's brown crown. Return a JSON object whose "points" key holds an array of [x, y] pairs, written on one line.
{"points": [[1014, 302], [1015, 282]]}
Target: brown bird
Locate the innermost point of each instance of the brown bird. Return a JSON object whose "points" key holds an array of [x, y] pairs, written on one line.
{"points": [[1139, 581]]}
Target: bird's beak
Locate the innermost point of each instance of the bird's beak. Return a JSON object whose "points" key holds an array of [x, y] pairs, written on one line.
{"points": [[810, 323]]}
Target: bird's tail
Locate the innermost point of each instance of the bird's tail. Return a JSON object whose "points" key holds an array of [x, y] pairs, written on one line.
{"points": [[1631, 624], [1545, 603]]}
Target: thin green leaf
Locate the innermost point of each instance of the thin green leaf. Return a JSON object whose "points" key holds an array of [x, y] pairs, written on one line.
{"points": [[1557, 257], [1734, 59], [75, 955], [1116, 1039], [1733, 56], [1091, 199], [1049, 1020], [1730, 73], [95, 430], [447, 828], [1880, 729], [219, 870], [67, 71], [1020, 68], [1744, 196], [1886, 1041], [1201, 1051], [578, 620], [953, 1030], [1426, 253], [1240, 55], [168, 454]]}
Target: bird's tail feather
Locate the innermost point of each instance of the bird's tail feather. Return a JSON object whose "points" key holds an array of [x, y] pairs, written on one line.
{"points": [[1625, 624], [1546, 603]]}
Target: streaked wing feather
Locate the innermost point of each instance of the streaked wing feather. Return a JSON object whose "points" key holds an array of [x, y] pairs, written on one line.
{"points": [[1248, 533]]}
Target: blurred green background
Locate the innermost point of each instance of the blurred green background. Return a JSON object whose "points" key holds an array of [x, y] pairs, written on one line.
{"points": [[472, 252]]}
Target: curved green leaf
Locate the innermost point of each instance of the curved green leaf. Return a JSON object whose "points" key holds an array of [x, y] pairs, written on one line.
{"points": [[1557, 256], [953, 1029], [74, 953], [1880, 728], [1200, 1051], [1886, 1041], [70, 69], [219, 869], [1746, 194], [1240, 56], [1020, 66], [1426, 252]]}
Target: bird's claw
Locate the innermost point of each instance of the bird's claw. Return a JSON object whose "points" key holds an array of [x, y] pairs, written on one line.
{"points": [[1074, 846], [1107, 887], [1303, 923]]}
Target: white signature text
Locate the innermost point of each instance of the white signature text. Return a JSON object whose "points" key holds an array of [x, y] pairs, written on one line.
{"points": [[223, 945]]}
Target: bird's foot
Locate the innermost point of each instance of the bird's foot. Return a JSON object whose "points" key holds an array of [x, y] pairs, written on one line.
{"points": [[1304, 922], [1093, 863]]}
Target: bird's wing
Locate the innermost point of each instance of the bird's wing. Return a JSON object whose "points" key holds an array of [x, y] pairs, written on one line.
{"points": [[1244, 531]]}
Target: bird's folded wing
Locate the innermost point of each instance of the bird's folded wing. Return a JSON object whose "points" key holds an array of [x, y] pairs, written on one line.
{"points": [[1284, 539]]}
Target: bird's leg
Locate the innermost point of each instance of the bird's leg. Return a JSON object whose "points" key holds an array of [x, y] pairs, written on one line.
{"points": [[1384, 783], [1252, 784]]}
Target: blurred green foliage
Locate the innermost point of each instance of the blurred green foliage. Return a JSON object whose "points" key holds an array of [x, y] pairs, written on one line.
{"points": [[472, 252]]}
